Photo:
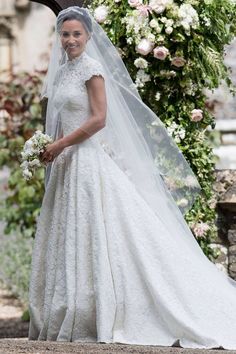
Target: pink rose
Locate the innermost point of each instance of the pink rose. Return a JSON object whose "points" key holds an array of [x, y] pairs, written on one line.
{"points": [[160, 53], [200, 229], [135, 3], [144, 47], [196, 115], [178, 62]]}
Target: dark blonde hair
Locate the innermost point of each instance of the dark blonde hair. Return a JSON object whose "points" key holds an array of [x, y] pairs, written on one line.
{"points": [[75, 13]]}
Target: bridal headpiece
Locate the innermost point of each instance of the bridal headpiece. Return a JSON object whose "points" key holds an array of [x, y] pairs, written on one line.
{"points": [[74, 12]]}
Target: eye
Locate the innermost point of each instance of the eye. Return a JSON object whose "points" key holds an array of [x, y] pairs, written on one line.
{"points": [[77, 34], [65, 34]]}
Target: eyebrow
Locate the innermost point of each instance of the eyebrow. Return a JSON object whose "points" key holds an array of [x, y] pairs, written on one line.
{"points": [[70, 32]]}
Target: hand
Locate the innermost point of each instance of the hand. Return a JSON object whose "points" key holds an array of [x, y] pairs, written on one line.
{"points": [[52, 151]]}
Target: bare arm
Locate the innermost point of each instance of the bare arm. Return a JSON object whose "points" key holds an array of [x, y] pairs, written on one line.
{"points": [[96, 121]]}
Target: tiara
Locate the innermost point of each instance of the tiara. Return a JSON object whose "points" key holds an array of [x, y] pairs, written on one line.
{"points": [[72, 8]]}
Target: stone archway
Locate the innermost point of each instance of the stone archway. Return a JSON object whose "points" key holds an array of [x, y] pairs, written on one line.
{"points": [[58, 5]]}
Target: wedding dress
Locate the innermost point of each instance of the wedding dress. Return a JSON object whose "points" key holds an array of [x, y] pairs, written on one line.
{"points": [[106, 268]]}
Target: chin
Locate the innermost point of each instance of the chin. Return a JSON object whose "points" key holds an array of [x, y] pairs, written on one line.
{"points": [[74, 55]]}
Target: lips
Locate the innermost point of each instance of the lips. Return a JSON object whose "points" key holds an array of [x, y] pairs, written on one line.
{"points": [[73, 46]]}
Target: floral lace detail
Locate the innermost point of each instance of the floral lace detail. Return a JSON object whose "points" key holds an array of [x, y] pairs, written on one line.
{"points": [[79, 69], [105, 267], [72, 91]]}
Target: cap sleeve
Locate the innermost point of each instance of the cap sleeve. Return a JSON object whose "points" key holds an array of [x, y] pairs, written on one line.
{"points": [[93, 68]]}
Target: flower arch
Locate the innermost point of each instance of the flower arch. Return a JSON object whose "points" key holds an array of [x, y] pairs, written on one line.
{"points": [[174, 50]]}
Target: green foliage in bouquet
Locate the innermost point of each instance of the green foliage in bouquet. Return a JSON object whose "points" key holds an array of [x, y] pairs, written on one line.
{"points": [[20, 116], [174, 49]]}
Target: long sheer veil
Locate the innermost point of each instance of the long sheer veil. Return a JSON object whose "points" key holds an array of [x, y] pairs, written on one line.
{"points": [[134, 136]]}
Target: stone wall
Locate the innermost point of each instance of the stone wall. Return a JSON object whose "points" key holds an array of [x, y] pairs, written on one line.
{"points": [[225, 188], [26, 30], [222, 103]]}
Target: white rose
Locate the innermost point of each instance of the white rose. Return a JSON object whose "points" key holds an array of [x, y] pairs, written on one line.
{"points": [[181, 133], [29, 144], [141, 63], [142, 76], [169, 22], [160, 39], [28, 151], [144, 47], [163, 19], [135, 3], [185, 25], [27, 174], [159, 6], [38, 132], [101, 13], [196, 115], [151, 37], [169, 30], [24, 155], [161, 52], [154, 23], [24, 165], [188, 16], [159, 9], [172, 73], [158, 29], [130, 40], [157, 96], [34, 162]]}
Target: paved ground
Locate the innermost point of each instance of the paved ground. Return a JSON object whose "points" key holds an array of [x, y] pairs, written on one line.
{"points": [[35, 347], [11, 311]]}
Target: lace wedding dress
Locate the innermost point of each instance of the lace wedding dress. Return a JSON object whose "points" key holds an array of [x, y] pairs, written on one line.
{"points": [[106, 268]]}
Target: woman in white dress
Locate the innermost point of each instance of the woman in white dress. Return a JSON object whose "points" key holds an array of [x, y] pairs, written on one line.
{"points": [[111, 262]]}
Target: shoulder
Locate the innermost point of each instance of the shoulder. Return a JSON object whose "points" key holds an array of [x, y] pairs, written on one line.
{"points": [[92, 67]]}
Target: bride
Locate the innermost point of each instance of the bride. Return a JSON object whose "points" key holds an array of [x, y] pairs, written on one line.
{"points": [[113, 258]]}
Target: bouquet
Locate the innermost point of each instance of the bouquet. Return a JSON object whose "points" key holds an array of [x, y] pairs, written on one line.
{"points": [[31, 152]]}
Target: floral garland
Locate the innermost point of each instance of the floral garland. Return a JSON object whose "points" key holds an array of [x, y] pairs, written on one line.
{"points": [[173, 50]]}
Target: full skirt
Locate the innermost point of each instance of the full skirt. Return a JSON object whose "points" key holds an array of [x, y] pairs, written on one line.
{"points": [[106, 268]]}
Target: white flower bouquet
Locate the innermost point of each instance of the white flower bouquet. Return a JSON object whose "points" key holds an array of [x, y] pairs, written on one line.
{"points": [[31, 152]]}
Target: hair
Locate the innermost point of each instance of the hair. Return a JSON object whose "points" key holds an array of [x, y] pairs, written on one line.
{"points": [[75, 13]]}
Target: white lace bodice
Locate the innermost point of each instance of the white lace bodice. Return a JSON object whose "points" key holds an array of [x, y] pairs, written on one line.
{"points": [[72, 92]]}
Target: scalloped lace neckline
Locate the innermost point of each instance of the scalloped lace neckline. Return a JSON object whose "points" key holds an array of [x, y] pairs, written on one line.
{"points": [[77, 59]]}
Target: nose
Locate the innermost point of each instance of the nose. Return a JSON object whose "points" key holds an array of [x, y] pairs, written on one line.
{"points": [[71, 39]]}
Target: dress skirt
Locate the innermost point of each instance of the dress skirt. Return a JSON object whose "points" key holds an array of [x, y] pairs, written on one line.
{"points": [[105, 268]]}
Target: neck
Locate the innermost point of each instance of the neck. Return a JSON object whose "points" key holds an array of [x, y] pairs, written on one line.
{"points": [[75, 57]]}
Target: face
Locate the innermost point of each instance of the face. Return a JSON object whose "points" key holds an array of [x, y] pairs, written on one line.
{"points": [[73, 38]]}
